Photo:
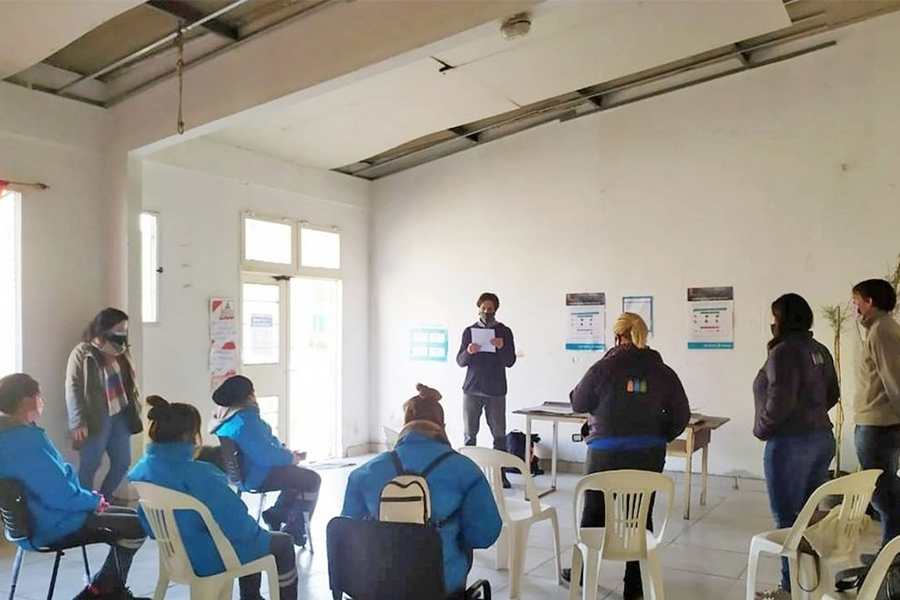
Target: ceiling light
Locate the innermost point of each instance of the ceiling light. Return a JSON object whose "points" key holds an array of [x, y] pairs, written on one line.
{"points": [[516, 26]]}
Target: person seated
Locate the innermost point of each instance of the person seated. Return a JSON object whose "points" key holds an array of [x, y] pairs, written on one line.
{"points": [[59, 509], [267, 463], [169, 462], [461, 498]]}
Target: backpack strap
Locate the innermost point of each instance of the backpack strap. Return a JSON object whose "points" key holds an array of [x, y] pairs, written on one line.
{"points": [[398, 465], [438, 460]]}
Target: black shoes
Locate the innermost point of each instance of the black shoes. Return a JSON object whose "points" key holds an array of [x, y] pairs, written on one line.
{"points": [[631, 591]]}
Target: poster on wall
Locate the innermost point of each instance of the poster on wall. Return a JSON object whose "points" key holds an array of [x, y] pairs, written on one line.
{"points": [[587, 322], [223, 332], [711, 318], [641, 306], [428, 343]]}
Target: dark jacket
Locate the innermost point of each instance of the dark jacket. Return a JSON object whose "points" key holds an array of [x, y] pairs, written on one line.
{"points": [[630, 393], [795, 389], [486, 373], [86, 395]]}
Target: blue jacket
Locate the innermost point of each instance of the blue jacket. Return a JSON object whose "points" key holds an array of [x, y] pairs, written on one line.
{"points": [[171, 465], [456, 486], [57, 504], [261, 450]]}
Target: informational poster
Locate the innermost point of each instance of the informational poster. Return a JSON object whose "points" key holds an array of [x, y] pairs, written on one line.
{"points": [[711, 318], [223, 333], [587, 322], [428, 343], [641, 306]]}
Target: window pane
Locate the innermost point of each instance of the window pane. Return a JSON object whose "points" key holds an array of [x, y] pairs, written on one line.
{"points": [[267, 241], [9, 283], [261, 315], [268, 411], [149, 266], [320, 248]]}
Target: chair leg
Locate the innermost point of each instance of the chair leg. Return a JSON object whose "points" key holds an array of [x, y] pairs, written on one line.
{"points": [[656, 576], [54, 575], [162, 584], [752, 566], [591, 573], [794, 571], [87, 565], [262, 504], [17, 566], [557, 550], [646, 580], [501, 556], [272, 577], [575, 577], [517, 537], [307, 517]]}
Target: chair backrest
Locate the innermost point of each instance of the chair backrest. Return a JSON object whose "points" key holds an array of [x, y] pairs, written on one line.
{"points": [[14, 510], [857, 490], [879, 570], [492, 462], [626, 496], [231, 456], [159, 505], [390, 437], [376, 560]]}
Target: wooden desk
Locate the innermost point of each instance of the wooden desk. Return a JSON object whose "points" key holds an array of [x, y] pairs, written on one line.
{"points": [[698, 435]]}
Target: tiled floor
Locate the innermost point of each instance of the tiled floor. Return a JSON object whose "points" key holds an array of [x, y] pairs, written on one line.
{"points": [[704, 558]]}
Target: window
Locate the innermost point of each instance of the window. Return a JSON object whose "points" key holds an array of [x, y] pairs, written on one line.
{"points": [[150, 267], [320, 248], [10, 284], [262, 324], [268, 241]]}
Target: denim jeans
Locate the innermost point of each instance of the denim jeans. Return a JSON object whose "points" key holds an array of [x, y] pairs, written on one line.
{"points": [[879, 448], [795, 465], [114, 440]]}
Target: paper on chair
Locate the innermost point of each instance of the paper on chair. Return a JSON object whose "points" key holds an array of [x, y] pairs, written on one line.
{"points": [[483, 338]]}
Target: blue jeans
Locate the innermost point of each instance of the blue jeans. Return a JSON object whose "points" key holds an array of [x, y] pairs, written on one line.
{"points": [[879, 448], [114, 440], [795, 465]]}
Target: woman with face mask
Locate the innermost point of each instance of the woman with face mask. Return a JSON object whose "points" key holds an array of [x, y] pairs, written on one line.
{"points": [[102, 399]]}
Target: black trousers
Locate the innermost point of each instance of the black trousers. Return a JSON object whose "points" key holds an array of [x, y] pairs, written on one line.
{"points": [[594, 514], [282, 547], [296, 484]]}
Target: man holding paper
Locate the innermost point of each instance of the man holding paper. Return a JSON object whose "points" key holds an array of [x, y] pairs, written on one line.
{"points": [[487, 350]]}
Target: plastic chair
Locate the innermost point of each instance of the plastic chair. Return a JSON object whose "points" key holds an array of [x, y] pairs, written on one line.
{"points": [[518, 515], [378, 560], [18, 529], [857, 490], [876, 575], [624, 537], [159, 505], [234, 461], [390, 437]]}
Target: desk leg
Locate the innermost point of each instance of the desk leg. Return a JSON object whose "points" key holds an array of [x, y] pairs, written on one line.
{"points": [[705, 470], [527, 445], [688, 467], [554, 455]]}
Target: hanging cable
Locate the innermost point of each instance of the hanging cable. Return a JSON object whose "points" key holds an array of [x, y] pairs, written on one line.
{"points": [[179, 70]]}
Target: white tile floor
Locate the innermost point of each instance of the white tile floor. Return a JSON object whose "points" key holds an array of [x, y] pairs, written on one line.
{"points": [[704, 558]]}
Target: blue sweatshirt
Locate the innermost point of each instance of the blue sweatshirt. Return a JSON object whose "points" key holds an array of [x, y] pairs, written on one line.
{"points": [[172, 466], [457, 487], [260, 449], [57, 504]]}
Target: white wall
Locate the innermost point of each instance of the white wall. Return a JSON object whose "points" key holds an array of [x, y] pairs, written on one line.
{"points": [[64, 284], [780, 179], [200, 190]]}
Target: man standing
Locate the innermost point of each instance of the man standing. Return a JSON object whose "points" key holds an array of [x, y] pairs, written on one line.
{"points": [[486, 364], [877, 402]]}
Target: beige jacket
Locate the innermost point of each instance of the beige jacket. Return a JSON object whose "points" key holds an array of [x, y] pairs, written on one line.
{"points": [[877, 400]]}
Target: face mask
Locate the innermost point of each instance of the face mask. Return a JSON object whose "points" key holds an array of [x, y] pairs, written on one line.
{"points": [[486, 317], [113, 348], [119, 338]]}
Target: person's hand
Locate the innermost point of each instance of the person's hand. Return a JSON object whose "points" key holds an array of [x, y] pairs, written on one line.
{"points": [[295, 460], [104, 505], [473, 348], [80, 434], [497, 342]]}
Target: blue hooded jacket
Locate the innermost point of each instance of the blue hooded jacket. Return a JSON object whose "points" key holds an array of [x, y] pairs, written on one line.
{"points": [[260, 449], [57, 504], [457, 487], [171, 465]]}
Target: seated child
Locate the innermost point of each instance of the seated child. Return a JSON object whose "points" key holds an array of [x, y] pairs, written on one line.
{"points": [[461, 497], [267, 463], [60, 510], [169, 462]]}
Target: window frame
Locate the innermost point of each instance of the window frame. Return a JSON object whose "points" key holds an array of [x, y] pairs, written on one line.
{"points": [[296, 267], [17, 199]]}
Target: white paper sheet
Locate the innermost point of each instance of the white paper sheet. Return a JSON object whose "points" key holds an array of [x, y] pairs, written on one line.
{"points": [[483, 338]]}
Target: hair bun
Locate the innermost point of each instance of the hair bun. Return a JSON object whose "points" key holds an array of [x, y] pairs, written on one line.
{"points": [[159, 408], [427, 393]]}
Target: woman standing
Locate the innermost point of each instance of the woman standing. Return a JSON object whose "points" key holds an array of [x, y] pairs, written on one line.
{"points": [[102, 400], [637, 405], [793, 393]]}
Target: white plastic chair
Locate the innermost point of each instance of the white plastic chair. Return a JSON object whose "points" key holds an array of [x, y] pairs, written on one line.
{"points": [[857, 490], [626, 498], [159, 505], [518, 515], [875, 576], [390, 437]]}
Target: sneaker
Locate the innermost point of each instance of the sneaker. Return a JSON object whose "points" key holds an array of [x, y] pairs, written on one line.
{"points": [[567, 576], [273, 519], [92, 593], [296, 528], [124, 594], [778, 593]]}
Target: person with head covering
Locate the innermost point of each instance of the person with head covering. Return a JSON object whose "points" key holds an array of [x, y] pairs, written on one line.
{"points": [[169, 462], [636, 405], [793, 393], [267, 463], [461, 498]]}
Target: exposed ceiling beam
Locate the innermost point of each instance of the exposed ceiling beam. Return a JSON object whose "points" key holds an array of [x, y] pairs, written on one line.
{"points": [[190, 14]]}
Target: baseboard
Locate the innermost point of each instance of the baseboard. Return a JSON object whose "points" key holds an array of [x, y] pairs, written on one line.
{"points": [[363, 449]]}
